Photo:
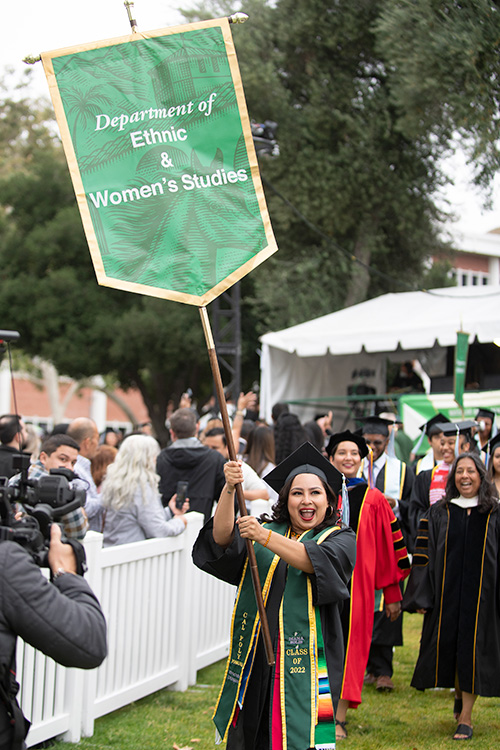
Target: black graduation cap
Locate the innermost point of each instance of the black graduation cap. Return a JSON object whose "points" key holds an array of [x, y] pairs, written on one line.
{"points": [[391, 418], [305, 460], [451, 428], [486, 413], [375, 425], [432, 427], [347, 435], [493, 443]]}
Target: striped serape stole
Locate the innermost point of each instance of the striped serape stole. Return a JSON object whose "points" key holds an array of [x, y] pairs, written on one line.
{"points": [[325, 729]]}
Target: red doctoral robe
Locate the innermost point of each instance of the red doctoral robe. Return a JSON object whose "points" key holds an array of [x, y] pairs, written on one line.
{"points": [[381, 563]]}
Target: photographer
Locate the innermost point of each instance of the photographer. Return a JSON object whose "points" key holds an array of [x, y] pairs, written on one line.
{"points": [[63, 619], [58, 452]]}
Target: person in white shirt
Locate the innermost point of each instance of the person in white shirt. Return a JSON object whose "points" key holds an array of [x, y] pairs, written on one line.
{"points": [[86, 434], [432, 430], [390, 475]]}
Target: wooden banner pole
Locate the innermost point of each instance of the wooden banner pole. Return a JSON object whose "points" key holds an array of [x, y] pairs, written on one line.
{"points": [[239, 490]]}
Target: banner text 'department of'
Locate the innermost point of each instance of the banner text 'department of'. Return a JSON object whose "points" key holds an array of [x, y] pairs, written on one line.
{"points": [[158, 143]]}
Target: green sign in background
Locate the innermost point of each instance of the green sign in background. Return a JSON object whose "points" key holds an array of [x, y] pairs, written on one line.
{"points": [[460, 369], [158, 139]]}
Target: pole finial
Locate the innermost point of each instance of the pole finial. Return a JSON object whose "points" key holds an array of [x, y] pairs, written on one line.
{"points": [[133, 23]]}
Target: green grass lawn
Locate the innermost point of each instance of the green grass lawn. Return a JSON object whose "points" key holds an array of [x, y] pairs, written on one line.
{"points": [[406, 719]]}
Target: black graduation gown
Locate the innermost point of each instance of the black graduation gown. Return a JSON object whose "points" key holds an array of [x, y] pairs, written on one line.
{"points": [[418, 505], [333, 562], [456, 578]]}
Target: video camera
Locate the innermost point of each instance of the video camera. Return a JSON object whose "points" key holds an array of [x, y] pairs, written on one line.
{"points": [[43, 502], [264, 138]]}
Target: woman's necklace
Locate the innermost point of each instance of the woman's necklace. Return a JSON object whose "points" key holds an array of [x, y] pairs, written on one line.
{"points": [[294, 534]]}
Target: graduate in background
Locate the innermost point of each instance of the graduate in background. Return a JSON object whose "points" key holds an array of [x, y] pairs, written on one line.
{"points": [[430, 485], [455, 582], [391, 476], [487, 427], [400, 444], [433, 432], [381, 563], [395, 480]]}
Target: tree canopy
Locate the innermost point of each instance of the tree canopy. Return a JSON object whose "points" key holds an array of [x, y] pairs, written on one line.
{"points": [[367, 95], [445, 73], [363, 220]]}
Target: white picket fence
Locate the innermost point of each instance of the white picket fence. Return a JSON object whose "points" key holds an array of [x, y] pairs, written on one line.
{"points": [[166, 620]]}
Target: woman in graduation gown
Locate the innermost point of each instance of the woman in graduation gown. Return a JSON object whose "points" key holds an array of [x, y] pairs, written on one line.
{"points": [[305, 560], [381, 564], [455, 582]]}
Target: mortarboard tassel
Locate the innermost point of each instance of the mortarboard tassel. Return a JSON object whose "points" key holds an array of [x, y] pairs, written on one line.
{"points": [[494, 428], [419, 442], [371, 483], [494, 433], [345, 515], [391, 447]]}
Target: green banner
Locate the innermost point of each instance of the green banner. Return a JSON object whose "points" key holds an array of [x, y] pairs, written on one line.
{"points": [[460, 369], [161, 155]]}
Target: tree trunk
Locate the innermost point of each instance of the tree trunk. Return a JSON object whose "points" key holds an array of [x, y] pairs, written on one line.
{"points": [[119, 402], [51, 383], [360, 279]]}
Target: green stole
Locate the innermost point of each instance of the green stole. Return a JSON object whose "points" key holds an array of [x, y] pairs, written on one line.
{"points": [[298, 645]]}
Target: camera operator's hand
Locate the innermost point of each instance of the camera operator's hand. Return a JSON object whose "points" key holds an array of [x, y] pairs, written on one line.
{"points": [[61, 556]]}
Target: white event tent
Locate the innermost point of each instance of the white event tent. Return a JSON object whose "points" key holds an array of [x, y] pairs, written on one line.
{"points": [[323, 357]]}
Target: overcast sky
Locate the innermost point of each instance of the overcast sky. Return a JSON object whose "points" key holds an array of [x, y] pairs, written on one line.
{"points": [[34, 26]]}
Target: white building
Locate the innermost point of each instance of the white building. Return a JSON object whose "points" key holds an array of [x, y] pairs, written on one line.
{"points": [[477, 259]]}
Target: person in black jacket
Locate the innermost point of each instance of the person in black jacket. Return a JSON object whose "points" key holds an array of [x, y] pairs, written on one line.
{"points": [[187, 459], [13, 438], [63, 619]]}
